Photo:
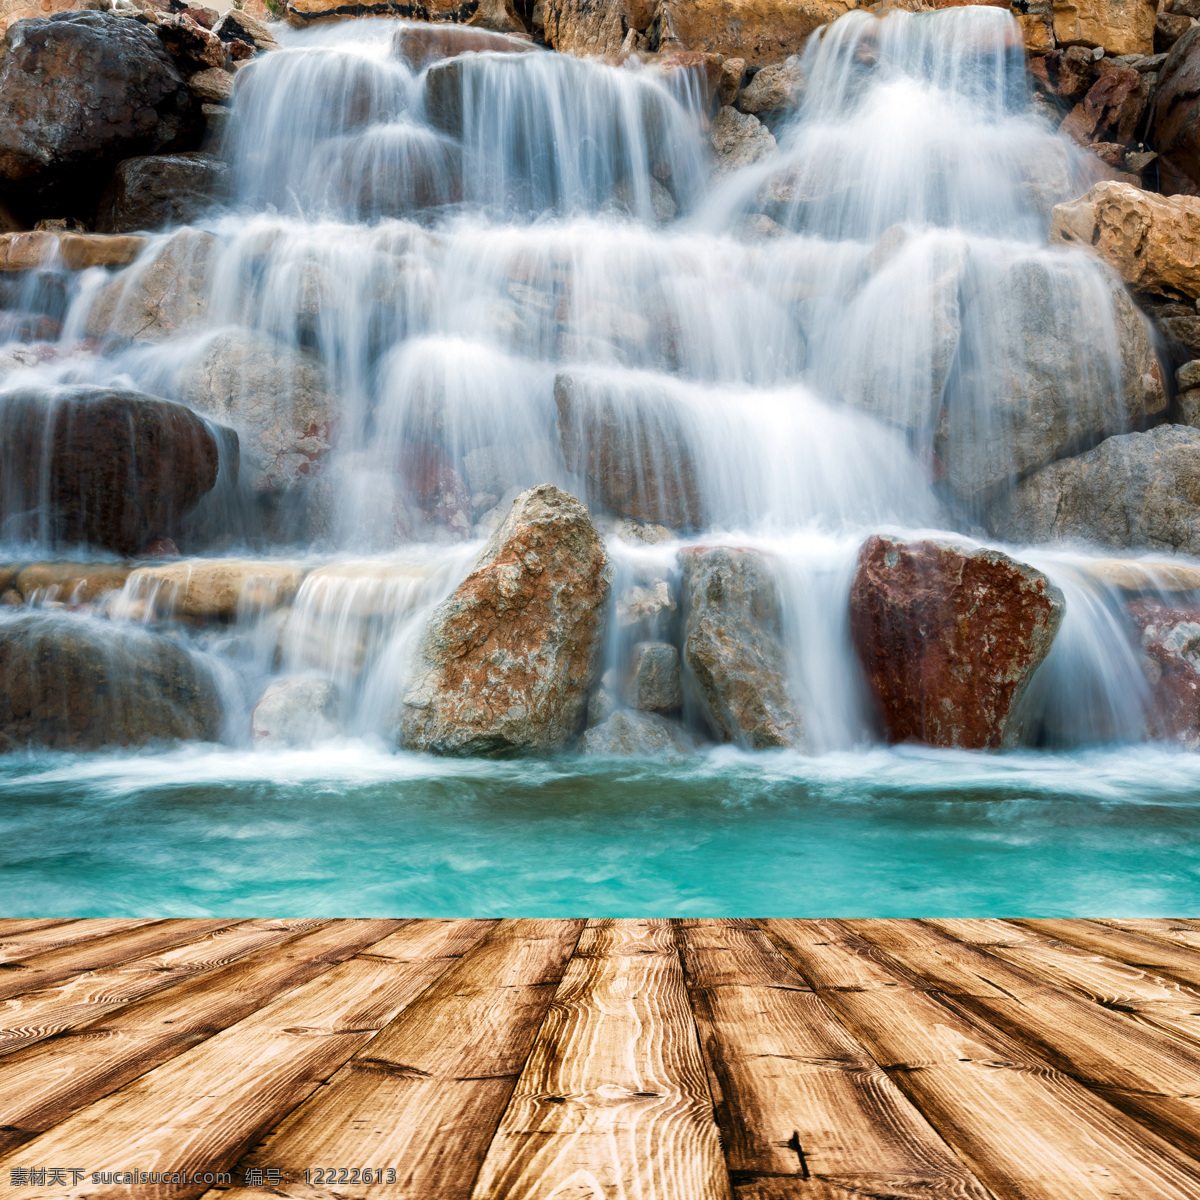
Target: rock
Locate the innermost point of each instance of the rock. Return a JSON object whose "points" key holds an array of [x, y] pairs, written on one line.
{"points": [[444, 96], [1113, 108], [192, 46], [212, 86], [71, 583], [635, 734], [1043, 363], [1120, 26], [275, 397], [239, 26], [1182, 335], [77, 683], [422, 45], [585, 27], [603, 702], [733, 652], [654, 679], [100, 466], [635, 458], [1177, 117], [1187, 408], [295, 712], [157, 190], [738, 140], [81, 91], [1170, 638], [28, 327], [662, 204], [436, 488], [1135, 491], [758, 31], [1169, 28], [733, 71], [700, 72], [1188, 375], [1136, 575], [75, 251], [1151, 241], [774, 89], [498, 16], [949, 639], [506, 662], [1066, 73], [213, 588], [646, 610], [300, 13], [164, 294]]}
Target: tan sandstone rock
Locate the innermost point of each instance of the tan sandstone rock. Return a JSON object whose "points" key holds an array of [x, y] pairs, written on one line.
{"points": [[758, 31], [1120, 26], [506, 662], [214, 587], [75, 251], [1152, 241]]}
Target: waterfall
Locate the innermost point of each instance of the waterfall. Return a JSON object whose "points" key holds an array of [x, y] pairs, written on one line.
{"points": [[442, 279]]}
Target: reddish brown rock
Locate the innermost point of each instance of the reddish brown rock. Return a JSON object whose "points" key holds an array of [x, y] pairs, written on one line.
{"points": [[733, 649], [1177, 117], [191, 45], [506, 662], [102, 467], [1112, 108], [1170, 637], [949, 639], [435, 487]]}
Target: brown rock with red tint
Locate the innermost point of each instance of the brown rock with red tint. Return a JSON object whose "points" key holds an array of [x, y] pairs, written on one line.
{"points": [[1170, 638], [949, 639], [506, 662], [436, 487], [1112, 108]]}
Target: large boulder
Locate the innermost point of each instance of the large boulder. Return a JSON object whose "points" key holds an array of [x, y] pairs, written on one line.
{"points": [[1170, 638], [213, 588], [654, 678], [733, 650], [79, 683], [757, 31], [634, 456], [1177, 117], [1120, 26], [164, 293], [99, 466], [1136, 491], [79, 92], [1151, 241], [506, 662], [776, 89], [157, 190], [275, 397], [949, 639], [1037, 376]]}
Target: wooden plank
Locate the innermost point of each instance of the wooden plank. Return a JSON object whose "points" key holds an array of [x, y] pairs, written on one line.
{"points": [[1135, 949], [43, 970], [202, 1109], [44, 1084], [10, 927], [424, 1098], [614, 1099], [1025, 1129], [84, 998], [1180, 933], [18, 946], [804, 1111], [1147, 1073], [1144, 995]]}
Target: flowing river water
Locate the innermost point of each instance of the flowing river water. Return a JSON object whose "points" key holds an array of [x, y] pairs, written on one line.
{"points": [[554, 224]]}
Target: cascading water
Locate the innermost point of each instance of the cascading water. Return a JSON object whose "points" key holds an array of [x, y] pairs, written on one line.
{"points": [[439, 274]]}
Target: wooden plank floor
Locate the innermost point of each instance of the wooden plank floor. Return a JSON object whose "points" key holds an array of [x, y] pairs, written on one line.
{"points": [[600, 1059]]}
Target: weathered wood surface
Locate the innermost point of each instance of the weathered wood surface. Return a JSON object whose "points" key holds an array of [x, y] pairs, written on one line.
{"points": [[603, 1060]]}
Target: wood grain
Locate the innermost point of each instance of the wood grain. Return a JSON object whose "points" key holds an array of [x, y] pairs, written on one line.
{"points": [[426, 1095], [52, 935], [614, 1099], [1144, 995], [804, 1111], [1149, 1074], [49, 967], [10, 927], [44, 1084], [1026, 1129], [200, 1110], [86, 997], [1180, 933], [1135, 949]]}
